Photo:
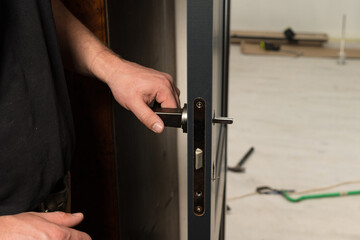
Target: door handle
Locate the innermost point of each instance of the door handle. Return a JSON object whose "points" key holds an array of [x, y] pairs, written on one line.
{"points": [[177, 117], [172, 117], [222, 120]]}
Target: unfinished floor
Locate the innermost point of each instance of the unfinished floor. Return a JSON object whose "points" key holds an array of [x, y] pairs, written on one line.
{"points": [[302, 115]]}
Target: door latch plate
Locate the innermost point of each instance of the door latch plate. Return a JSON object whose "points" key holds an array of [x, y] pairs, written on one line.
{"points": [[199, 152]]}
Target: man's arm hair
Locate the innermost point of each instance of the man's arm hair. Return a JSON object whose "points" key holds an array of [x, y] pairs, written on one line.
{"points": [[79, 46], [132, 85]]}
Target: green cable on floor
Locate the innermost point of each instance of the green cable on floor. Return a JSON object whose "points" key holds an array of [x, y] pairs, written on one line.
{"points": [[314, 196], [285, 193]]}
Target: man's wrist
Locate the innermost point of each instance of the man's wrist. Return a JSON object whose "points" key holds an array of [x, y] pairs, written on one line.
{"points": [[104, 64]]}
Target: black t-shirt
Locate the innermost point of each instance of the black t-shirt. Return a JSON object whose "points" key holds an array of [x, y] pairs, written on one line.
{"points": [[36, 128]]}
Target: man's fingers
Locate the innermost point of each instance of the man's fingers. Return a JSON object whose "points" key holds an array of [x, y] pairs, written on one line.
{"points": [[177, 94], [169, 77], [77, 235], [177, 91], [174, 89], [167, 97], [147, 116], [61, 218], [65, 221]]}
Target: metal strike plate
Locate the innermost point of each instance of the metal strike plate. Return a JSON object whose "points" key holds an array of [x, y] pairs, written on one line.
{"points": [[178, 118], [199, 156]]}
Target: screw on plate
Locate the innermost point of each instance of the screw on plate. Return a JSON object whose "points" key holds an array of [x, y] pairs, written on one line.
{"points": [[199, 104], [198, 209]]}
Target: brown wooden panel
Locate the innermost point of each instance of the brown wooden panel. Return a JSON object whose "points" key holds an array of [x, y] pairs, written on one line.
{"points": [[147, 162], [93, 168], [92, 14], [143, 179]]}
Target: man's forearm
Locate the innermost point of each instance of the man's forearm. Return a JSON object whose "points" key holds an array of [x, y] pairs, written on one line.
{"points": [[80, 48], [132, 85]]}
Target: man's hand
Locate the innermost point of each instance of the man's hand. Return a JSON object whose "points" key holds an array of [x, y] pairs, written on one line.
{"points": [[135, 86], [41, 226]]}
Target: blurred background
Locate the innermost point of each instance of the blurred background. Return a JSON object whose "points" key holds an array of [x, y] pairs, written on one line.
{"points": [[303, 16], [295, 98], [297, 103]]}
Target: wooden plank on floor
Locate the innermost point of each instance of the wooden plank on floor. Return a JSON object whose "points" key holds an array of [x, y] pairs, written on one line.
{"points": [[278, 37], [304, 51]]}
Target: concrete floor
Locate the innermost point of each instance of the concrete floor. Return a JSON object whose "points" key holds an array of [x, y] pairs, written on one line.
{"points": [[303, 118]]}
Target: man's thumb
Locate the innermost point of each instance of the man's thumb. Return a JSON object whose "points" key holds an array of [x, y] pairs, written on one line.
{"points": [[143, 112], [61, 218]]}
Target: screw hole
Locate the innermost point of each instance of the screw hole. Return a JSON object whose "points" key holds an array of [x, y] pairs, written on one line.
{"points": [[199, 104]]}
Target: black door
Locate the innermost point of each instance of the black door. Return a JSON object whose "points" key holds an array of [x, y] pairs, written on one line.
{"points": [[207, 36]]}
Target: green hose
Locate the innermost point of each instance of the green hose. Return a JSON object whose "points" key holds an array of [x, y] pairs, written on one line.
{"points": [[324, 195]]}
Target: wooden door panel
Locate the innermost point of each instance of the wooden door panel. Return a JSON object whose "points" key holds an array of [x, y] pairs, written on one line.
{"points": [[124, 177], [93, 168]]}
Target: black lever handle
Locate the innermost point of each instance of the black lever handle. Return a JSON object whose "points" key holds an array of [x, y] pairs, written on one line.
{"points": [[172, 117]]}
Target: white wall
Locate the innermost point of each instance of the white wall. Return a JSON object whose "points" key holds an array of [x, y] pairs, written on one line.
{"points": [[300, 15], [181, 82]]}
